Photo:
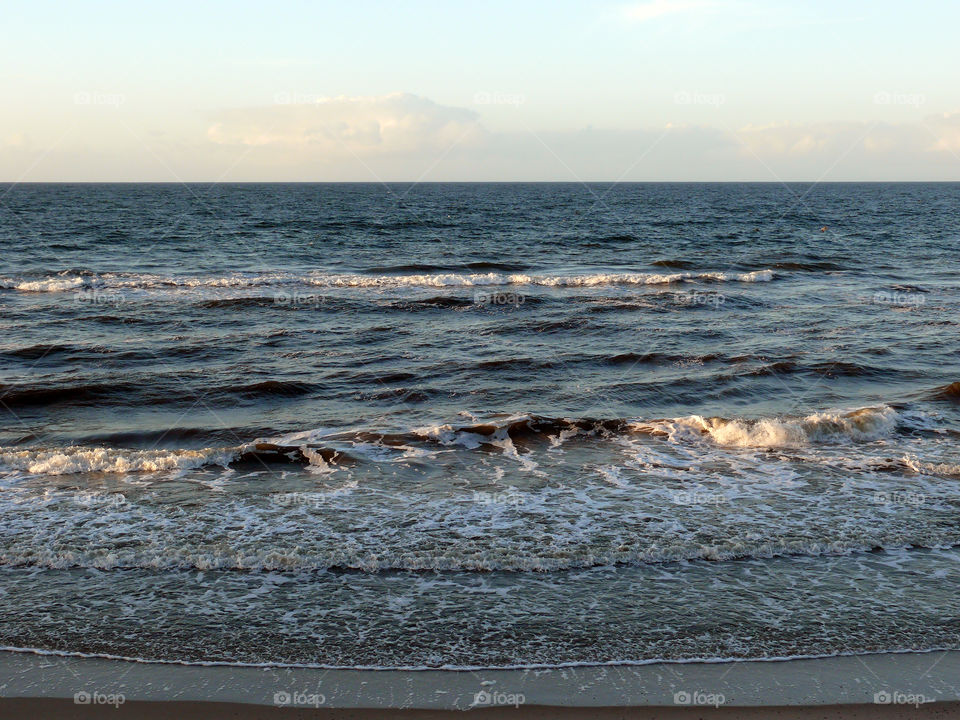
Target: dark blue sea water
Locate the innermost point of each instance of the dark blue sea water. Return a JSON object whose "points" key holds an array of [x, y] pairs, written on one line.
{"points": [[479, 424]]}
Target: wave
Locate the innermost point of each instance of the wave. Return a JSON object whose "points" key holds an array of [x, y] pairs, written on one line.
{"points": [[42, 350], [309, 447], [32, 396], [610, 240], [809, 266], [862, 425], [158, 392], [950, 392], [269, 388], [927, 468], [54, 284], [80, 459], [830, 369], [670, 263], [372, 225], [409, 268], [558, 559], [426, 267], [121, 281], [635, 358], [440, 301], [514, 363], [240, 303]]}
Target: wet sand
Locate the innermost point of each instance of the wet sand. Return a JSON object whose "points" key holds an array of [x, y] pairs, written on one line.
{"points": [[881, 686]]}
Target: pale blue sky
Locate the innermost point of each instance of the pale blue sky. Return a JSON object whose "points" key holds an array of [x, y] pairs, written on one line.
{"points": [[511, 90]]}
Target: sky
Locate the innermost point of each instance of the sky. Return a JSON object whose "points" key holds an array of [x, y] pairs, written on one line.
{"points": [[647, 90]]}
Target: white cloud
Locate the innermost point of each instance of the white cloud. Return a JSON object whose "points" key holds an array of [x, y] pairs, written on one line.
{"points": [[791, 139], [393, 124], [944, 132], [938, 135]]}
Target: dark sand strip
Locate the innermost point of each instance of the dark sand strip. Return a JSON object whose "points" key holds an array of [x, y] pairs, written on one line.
{"points": [[57, 709]]}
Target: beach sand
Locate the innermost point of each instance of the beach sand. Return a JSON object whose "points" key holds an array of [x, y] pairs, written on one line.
{"points": [[908, 685], [57, 709]]}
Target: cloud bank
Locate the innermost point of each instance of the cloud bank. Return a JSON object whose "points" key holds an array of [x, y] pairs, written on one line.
{"points": [[394, 124], [404, 137]]}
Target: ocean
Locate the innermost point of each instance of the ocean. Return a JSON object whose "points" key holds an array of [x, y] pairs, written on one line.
{"points": [[479, 425]]}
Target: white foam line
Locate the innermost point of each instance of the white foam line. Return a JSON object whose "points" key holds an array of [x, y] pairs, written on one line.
{"points": [[62, 283], [469, 668]]}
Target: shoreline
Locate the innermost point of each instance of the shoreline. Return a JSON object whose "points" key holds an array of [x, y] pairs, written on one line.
{"points": [[5, 649], [883, 683]]}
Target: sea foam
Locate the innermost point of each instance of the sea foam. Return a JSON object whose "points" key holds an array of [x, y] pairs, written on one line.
{"points": [[63, 283]]}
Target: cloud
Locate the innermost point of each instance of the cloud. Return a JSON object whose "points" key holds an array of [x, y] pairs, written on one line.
{"points": [[399, 130], [339, 127], [937, 135], [945, 132], [803, 139]]}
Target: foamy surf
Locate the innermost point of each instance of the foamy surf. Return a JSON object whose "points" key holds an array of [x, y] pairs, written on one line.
{"points": [[547, 560], [860, 425], [328, 448], [597, 665], [76, 459], [122, 281]]}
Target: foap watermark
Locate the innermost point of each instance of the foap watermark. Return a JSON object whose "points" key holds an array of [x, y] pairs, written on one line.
{"points": [[290, 97], [885, 97], [900, 498], [696, 497], [297, 499], [487, 698], [482, 297], [294, 698], [92, 296], [504, 497], [687, 97], [86, 697], [713, 300], [487, 97], [89, 97], [896, 697], [698, 697], [100, 499], [899, 299], [297, 299]]}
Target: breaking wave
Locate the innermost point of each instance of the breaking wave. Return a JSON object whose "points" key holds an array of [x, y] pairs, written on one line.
{"points": [[856, 426], [863, 425], [120, 281]]}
